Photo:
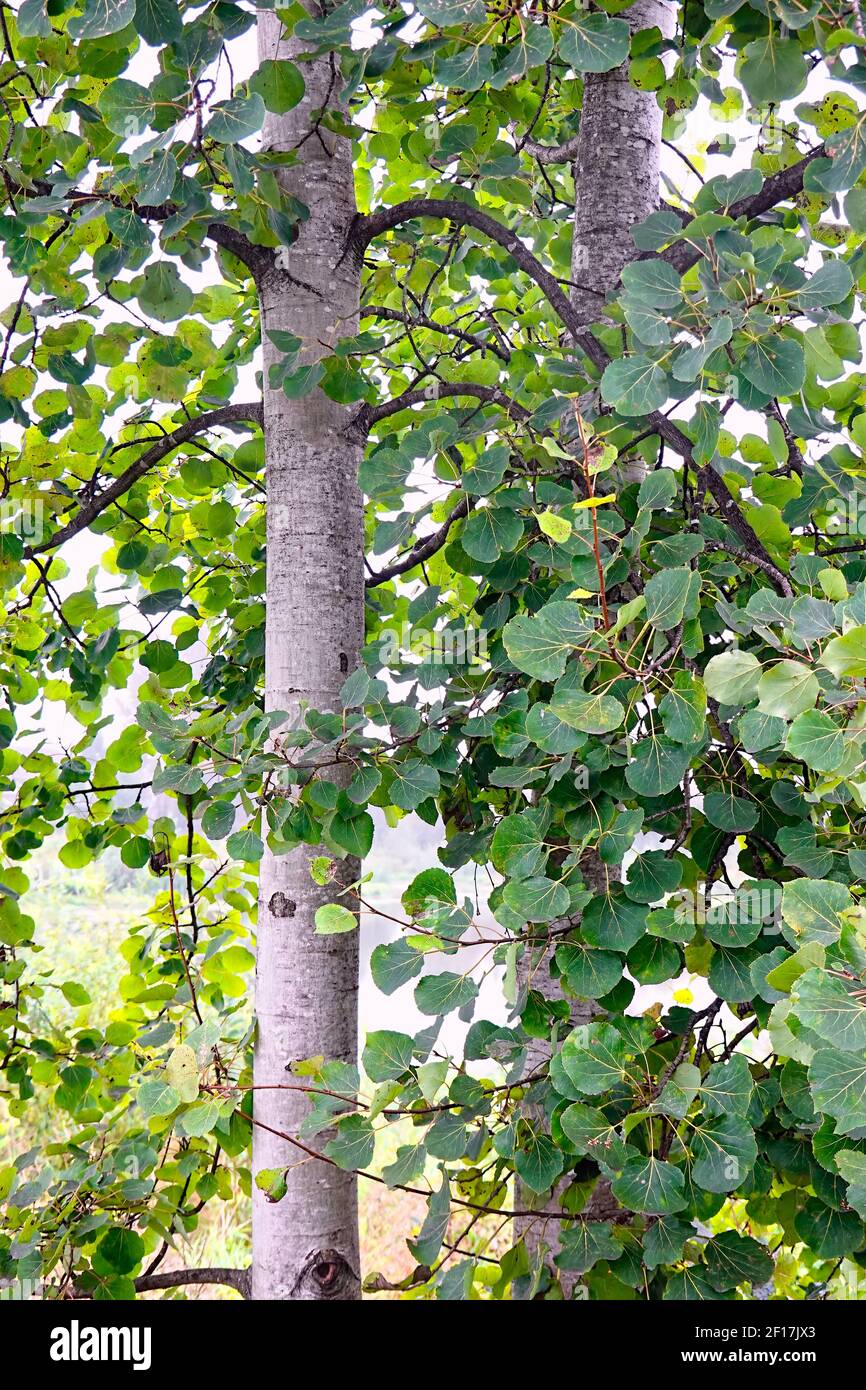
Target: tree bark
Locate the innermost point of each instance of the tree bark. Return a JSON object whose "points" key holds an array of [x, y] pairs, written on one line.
{"points": [[616, 173], [306, 1246], [616, 185]]}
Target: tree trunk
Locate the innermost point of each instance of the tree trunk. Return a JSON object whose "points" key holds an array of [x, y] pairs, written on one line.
{"points": [[306, 1246], [616, 174], [616, 185]]}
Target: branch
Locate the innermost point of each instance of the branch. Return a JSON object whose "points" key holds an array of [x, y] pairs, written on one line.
{"points": [[424, 321], [566, 153], [754, 551], [365, 229], [424, 548], [227, 414], [370, 415], [239, 1279], [780, 582], [255, 258], [778, 188]]}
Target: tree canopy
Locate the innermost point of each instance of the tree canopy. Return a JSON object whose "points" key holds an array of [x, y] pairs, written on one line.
{"points": [[628, 555]]}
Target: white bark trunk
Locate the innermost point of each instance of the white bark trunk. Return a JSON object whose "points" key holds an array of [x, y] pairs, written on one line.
{"points": [[306, 1246], [616, 185], [616, 174]]}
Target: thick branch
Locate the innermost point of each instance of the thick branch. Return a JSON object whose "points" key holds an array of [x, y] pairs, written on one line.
{"points": [[461, 214], [566, 153], [778, 188], [753, 550], [255, 258], [251, 412], [424, 548], [236, 1279]]}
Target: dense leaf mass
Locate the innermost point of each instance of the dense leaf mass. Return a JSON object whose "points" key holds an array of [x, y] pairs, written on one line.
{"points": [[653, 523]]}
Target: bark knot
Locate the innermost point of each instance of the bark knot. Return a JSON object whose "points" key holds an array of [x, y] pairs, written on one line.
{"points": [[281, 906], [326, 1274]]}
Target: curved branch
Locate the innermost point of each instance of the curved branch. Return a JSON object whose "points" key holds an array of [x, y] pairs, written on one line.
{"points": [[424, 548], [250, 412], [776, 188], [370, 415], [236, 1279], [365, 229]]}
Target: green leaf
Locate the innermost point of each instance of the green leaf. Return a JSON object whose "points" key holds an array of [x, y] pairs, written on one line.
{"points": [[583, 1243], [591, 712], [634, 385], [772, 69], [590, 1133], [657, 767], [538, 1162], [846, 656], [246, 846], [537, 899], [830, 1234], [838, 1082], [490, 531], [816, 740], [727, 1087], [157, 1098], [218, 819], [593, 42], [589, 972], [787, 689], [440, 994], [829, 284], [279, 84], [354, 1143], [811, 909], [163, 295], [831, 1008], [727, 811], [332, 919], [732, 678], [518, 847], [666, 594], [684, 709], [733, 1259], [158, 21], [387, 1055], [594, 1058], [100, 18], [413, 782], [236, 119], [650, 1185], [540, 645], [121, 1250], [775, 366], [725, 1151], [393, 965]]}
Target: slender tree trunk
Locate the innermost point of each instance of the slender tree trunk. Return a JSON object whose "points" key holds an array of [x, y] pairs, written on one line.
{"points": [[616, 174], [616, 185], [306, 1246]]}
